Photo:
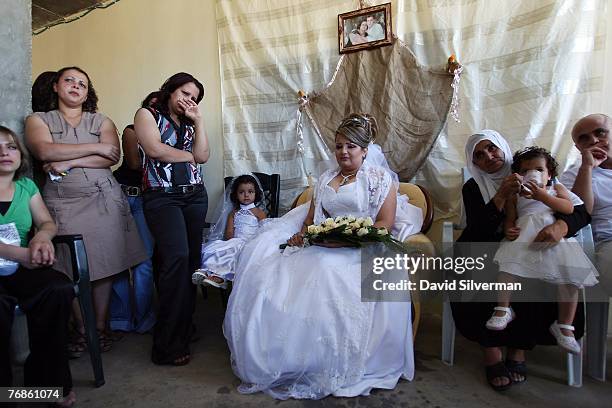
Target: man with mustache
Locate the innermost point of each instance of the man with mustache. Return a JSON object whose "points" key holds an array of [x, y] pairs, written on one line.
{"points": [[591, 179]]}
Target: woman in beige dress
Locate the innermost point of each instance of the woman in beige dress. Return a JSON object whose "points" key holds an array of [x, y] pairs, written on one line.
{"points": [[78, 146]]}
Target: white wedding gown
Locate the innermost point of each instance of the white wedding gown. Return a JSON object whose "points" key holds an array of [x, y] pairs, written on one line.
{"points": [[295, 323]]}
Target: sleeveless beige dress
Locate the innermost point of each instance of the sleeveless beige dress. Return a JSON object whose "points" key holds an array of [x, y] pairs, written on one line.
{"points": [[90, 202]]}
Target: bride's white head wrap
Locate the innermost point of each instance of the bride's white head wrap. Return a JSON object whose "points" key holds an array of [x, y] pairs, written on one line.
{"points": [[488, 183]]}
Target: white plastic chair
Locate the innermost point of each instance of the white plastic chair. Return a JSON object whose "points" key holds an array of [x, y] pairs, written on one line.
{"points": [[597, 325], [19, 338], [574, 362]]}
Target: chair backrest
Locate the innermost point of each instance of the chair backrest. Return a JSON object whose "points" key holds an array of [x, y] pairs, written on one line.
{"points": [[466, 174], [417, 196], [78, 256], [585, 237], [270, 183], [303, 198]]}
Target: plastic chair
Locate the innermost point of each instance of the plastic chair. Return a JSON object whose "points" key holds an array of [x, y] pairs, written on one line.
{"points": [[19, 338], [420, 197], [597, 324], [574, 362], [270, 183], [448, 324], [82, 290], [596, 339]]}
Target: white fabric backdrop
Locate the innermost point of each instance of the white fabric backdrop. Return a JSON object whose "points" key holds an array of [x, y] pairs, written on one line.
{"points": [[531, 69], [268, 50]]}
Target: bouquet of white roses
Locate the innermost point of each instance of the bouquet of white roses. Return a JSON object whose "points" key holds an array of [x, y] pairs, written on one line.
{"points": [[349, 231]]}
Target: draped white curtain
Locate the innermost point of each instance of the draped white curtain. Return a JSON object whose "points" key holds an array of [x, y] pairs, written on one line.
{"points": [[531, 69], [269, 49]]}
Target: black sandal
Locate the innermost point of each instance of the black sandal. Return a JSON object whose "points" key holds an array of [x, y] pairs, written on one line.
{"points": [[517, 367], [181, 361], [498, 370], [77, 342], [105, 341], [178, 361], [77, 345]]}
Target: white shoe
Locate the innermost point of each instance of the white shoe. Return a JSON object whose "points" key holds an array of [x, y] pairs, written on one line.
{"points": [[500, 322], [198, 277], [567, 343]]}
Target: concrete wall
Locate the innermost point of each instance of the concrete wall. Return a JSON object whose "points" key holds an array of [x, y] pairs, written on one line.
{"points": [[15, 62], [130, 48]]}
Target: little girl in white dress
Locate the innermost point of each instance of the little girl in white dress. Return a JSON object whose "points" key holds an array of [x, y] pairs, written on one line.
{"points": [[564, 264], [239, 222]]}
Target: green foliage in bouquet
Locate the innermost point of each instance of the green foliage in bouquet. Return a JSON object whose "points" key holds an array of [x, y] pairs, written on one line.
{"points": [[349, 231]]}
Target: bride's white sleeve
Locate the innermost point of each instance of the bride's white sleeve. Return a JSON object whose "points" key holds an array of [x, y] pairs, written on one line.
{"points": [[408, 218], [323, 180]]}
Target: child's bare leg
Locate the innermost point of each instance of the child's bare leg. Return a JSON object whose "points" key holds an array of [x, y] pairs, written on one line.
{"points": [[568, 302], [502, 314], [504, 296]]}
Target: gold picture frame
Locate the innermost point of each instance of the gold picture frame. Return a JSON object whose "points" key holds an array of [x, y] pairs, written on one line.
{"points": [[365, 29]]}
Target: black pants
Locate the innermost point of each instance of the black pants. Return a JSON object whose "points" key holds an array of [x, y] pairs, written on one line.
{"points": [[46, 297], [176, 222]]}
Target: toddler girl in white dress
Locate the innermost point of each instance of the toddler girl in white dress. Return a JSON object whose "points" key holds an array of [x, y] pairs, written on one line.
{"points": [[564, 264], [239, 222]]}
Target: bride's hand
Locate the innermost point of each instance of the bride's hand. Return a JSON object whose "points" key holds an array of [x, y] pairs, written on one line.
{"points": [[296, 240]]}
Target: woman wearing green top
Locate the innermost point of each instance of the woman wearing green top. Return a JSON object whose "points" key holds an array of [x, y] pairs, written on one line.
{"points": [[43, 294]]}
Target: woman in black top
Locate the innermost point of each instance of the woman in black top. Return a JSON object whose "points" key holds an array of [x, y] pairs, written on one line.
{"points": [[174, 140], [489, 158]]}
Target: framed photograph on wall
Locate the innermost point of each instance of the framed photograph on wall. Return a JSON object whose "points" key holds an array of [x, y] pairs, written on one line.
{"points": [[364, 29]]}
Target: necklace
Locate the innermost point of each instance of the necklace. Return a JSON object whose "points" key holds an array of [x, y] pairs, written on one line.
{"points": [[345, 179]]}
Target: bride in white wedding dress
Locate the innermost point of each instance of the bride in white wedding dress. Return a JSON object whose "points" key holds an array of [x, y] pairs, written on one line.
{"points": [[295, 323]]}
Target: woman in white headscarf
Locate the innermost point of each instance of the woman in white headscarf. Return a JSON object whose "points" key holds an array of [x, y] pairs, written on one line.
{"points": [[489, 160]]}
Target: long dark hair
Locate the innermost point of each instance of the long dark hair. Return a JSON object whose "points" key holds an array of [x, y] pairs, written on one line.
{"points": [[245, 179], [42, 92], [24, 166], [146, 102], [91, 103], [358, 26], [171, 85]]}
